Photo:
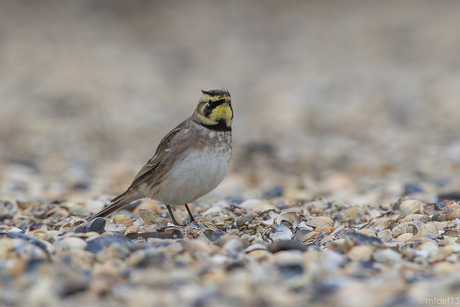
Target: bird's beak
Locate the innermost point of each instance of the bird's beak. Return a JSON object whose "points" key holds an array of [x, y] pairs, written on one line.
{"points": [[227, 102]]}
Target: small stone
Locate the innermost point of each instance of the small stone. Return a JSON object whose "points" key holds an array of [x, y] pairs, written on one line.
{"points": [[361, 253], [73, 243], [289, 263], [233, 246], [260, 254], [285, 245], [96, 244], [213, 235], [245, 219], [445, 267], [387, 255], [292, 257], [96, 225], [6, 244], [254, 247]]}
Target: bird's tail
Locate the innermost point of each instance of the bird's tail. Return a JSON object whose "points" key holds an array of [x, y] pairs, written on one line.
{"points": [[115, 204]]}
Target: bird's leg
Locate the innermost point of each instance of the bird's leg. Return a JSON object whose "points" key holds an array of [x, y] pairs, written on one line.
{"points": [[190, 214], [172, 216]]}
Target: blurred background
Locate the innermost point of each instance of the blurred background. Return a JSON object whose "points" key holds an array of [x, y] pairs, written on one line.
{"points": [[357, 100]]}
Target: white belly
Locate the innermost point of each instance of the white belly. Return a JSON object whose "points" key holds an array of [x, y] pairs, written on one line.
{"points": [[196, 175]]}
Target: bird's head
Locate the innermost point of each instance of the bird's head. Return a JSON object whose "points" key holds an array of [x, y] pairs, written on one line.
{"points": [[215, 109]]}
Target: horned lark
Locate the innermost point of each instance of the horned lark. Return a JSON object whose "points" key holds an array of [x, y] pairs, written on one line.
{"points": [[190, 161]]}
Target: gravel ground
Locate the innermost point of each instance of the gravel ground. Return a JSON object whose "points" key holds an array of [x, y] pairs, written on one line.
{"points": [[346, 113]]}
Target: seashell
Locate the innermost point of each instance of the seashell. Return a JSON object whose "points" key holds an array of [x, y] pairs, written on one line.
{"points": [[59, 211], [410, 206], [325, 229], [428, 209], [404, 237], [301, 233], [452, 204], [20, 204], [149, 217], [441, 225], [280, 232], [404, 228], [115, 228], [385, 235], [338, 246], [427, 228], [310, 238], [147, 204], [292, 217], [452, 233], [123, 220], [360, 253], [38, 232], [415, 217], [439, 217], [325, 239], [453, 214], [381, 223], [131, 229], [440, 207], [361, 239], [367, 232], [14, 229], [320, 221]]}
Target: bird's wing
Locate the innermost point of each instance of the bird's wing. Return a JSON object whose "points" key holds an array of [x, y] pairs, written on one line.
{"points": [[162, 150]]}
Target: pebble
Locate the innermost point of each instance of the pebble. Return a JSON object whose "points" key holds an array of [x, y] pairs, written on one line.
{"points": [[316, 244], [96, 244], [245, 219], [387, 255], [361, 253], [73, 243]]}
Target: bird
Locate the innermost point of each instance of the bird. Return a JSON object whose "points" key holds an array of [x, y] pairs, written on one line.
{"points": [[189, 162]]}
